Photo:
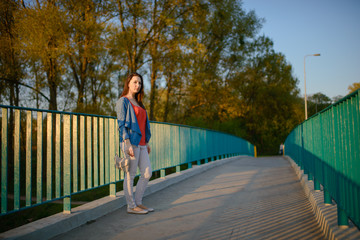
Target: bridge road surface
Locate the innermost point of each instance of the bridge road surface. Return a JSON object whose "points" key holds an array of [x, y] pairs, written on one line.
{"points": [[247, 198]]}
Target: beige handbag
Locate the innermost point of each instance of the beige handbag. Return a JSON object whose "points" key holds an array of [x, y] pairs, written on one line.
{"points": [[122, 163]]}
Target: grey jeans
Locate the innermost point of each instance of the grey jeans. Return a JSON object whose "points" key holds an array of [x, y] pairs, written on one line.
{"points": [[141, 159]]}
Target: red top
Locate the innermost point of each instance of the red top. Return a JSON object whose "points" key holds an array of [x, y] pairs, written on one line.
{"points": [[141, 118]]}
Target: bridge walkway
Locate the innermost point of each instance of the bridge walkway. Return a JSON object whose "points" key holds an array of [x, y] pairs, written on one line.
{"points": [[246, 198]]}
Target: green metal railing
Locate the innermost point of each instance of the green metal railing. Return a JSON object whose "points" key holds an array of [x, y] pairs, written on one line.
{"points": [[327, 148], [54, 155]]}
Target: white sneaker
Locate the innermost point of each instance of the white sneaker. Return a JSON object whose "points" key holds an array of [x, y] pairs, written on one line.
{"points": [[137, 210]]}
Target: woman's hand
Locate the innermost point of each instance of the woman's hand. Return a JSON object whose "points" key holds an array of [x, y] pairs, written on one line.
{"points": [[129, 148], [131, 151], [148, 148]]}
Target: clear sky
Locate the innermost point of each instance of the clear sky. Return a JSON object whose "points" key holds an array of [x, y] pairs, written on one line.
{"points": [[328, 27]]}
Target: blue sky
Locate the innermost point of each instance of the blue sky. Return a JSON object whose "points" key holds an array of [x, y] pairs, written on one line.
{"points": [[328, 27]]}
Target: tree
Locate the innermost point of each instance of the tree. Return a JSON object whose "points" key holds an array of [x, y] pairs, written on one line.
{"points": [[132, 37], [43, 39], [11, 71], [268, 94], [204, 61], [318, 102], [355, 86], [337, 98], [86, 46], [145, 34], [219, 37]]}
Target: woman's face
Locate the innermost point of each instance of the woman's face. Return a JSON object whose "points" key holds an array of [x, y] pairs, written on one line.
{"points": [[135, 85]]}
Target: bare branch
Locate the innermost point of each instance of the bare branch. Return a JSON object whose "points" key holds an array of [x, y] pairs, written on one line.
{"points": [[25, 85]]}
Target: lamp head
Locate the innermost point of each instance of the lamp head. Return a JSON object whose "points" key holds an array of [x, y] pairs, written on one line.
{"points": [[316, 54]]}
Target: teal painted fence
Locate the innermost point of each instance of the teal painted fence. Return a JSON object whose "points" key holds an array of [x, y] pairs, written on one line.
{"points": [[327, 148], [51, 155]]}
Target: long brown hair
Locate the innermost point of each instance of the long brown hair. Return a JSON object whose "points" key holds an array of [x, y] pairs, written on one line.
{"points": [[138, 96]]}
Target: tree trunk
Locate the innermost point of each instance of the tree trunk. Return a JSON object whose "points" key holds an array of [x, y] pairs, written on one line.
{"points": [[153, 90], [14, 69], [51, 75], [168, 90], [81, 93]]}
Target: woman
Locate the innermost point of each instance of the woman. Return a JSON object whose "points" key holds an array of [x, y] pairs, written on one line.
{"points": [[134, 129]]}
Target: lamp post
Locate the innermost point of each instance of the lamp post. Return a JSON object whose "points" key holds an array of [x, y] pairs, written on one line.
{"points": [[316, 55]]}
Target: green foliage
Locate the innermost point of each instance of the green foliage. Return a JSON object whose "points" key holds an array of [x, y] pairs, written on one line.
{"points": [[317, 102], [11, 70], [268, 98], [203, 63], [353, 87]]}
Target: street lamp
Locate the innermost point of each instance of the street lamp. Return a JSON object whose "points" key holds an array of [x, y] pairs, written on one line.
{"points": [[316, 55]]}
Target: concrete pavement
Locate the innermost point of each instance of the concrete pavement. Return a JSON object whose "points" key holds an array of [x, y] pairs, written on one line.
{"points": [[246, 198]]}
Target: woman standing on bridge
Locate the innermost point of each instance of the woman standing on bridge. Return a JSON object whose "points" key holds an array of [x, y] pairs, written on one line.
{"points": [[134, 129]]}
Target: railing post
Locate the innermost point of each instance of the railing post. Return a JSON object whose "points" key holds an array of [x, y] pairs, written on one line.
{"points": [[162, 173], [17, 161], [310, 176], [39, 165], [316, 185], [112, 130], [327, 197], [343, 221], [255, 152], [89, 155], [74, 148], [4, 160], [58, 158], [67, 164], [283, 153], [95, 152], [117, 150], [28, 166], [177, 169], [49, 153], [101, 151], [82, 153]]}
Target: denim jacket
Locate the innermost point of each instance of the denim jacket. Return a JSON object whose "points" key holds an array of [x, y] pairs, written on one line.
{"points": [[128, 124]]}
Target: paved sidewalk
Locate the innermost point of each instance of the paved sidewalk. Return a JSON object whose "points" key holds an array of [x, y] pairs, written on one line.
{"points": [[247, 198]]}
